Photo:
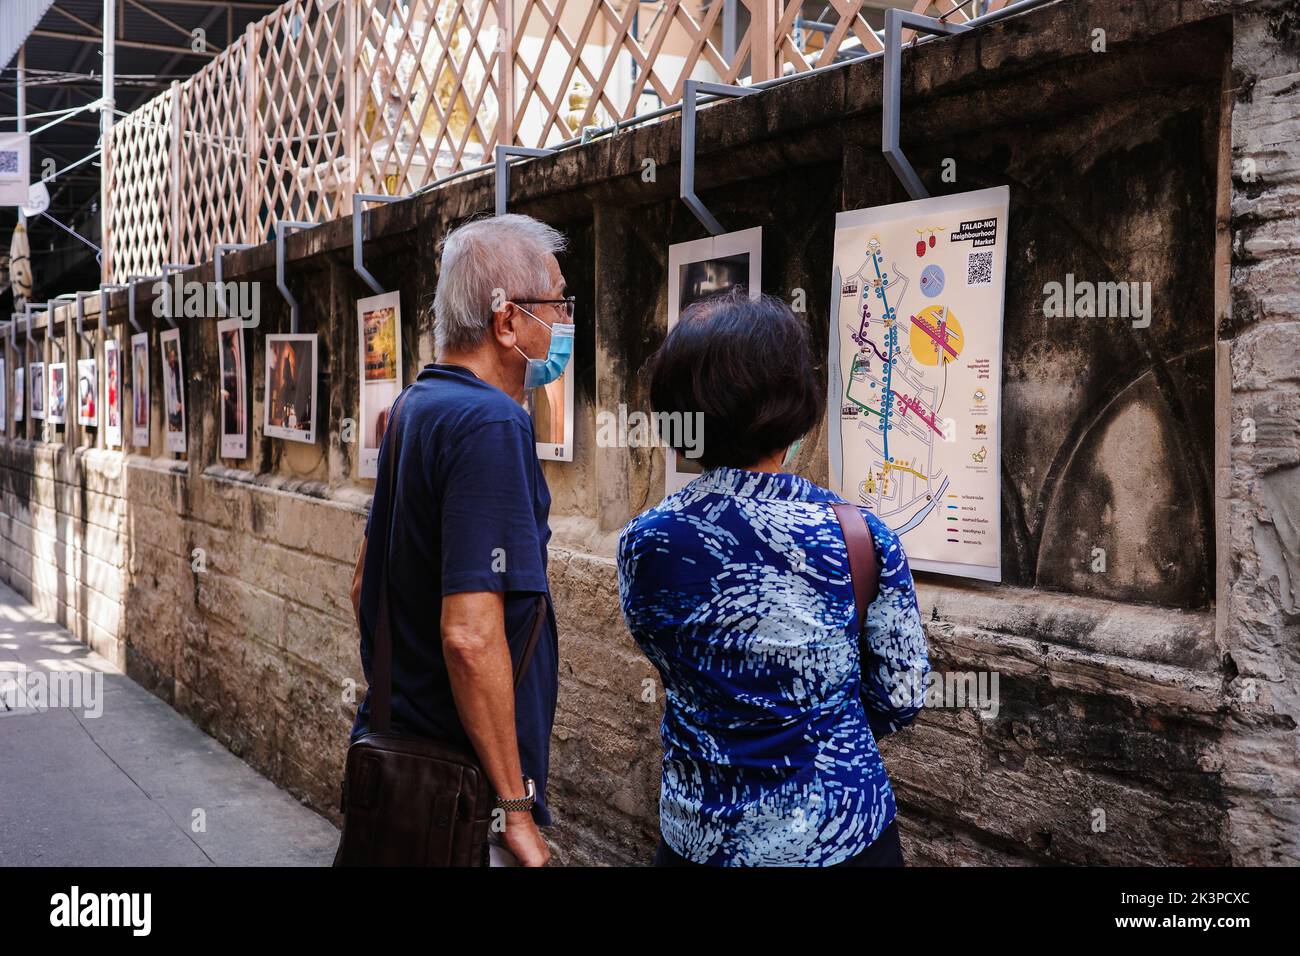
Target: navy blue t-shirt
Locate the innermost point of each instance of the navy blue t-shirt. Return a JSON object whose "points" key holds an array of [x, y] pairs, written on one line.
{"points": [[471, 515]]}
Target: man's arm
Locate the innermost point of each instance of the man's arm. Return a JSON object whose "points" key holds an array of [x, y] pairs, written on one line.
{"points": [[482, 683]]}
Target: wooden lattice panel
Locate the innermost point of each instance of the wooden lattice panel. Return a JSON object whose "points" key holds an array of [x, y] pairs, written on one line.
{"points": [[138, 191], [589, 62], [800, 47], [213, 157], [324, 98], [298, 94], [427, 96]]}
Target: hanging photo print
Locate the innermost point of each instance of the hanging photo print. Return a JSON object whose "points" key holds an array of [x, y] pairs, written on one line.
{"points": [[4, 394], [140, 390], [290, 399], [697, 270], [234, 392], [379, 337], [37, 389], [58, 407], [112, 394], [173, 389], [20, 394], [87, 393]]}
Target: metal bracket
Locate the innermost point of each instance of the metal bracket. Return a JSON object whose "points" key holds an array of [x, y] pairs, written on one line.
{"points": [[693, 202], [131, 283], [502, 160], [895, 21], [280, 229], [104, 290], [167, 269], [219, 250], [358, 240], [81, 314], [27, 307], [49, 307]]}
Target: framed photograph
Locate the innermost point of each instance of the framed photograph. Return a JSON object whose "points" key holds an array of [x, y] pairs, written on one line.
{"points": [[697, 270], [112, 394], [20, 393], [36, 389], [4, 395], [379, 338], [290, 402], [87, 392], [57, 409], [173, 389], [234, 388], [551, 406], [140, 390]]}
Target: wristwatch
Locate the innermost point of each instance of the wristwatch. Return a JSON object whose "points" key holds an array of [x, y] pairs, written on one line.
{"points": [[521, 803]]}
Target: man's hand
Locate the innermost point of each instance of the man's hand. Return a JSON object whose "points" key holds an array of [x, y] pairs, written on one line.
{"points": [[524, 839]]}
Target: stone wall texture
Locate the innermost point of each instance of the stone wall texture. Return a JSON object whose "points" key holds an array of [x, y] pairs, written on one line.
{"points": [[1147, 714]]}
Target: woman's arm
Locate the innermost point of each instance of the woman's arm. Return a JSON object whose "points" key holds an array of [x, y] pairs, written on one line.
{"points": [[895, 659]]}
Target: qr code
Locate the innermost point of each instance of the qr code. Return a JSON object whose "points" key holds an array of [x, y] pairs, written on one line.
{"points": [[979, 268], [8, 160]]}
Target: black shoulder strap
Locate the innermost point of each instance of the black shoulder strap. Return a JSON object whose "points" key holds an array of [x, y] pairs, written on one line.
{"points": [[381, 697], [863, 569]]}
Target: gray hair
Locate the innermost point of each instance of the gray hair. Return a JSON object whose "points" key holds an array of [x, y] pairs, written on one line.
{"points": [[486, 262]]}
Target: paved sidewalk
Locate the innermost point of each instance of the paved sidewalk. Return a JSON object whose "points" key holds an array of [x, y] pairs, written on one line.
{"points": [[123, 788]]}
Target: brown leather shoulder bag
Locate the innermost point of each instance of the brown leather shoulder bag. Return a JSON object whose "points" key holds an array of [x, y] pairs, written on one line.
{"points": [[413, 801], [863, 570]]}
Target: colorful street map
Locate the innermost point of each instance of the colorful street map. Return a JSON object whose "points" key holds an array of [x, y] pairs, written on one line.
{"points": [[916, 373]]}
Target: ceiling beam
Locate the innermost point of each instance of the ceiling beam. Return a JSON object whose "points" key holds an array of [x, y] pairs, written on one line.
{"points": [[135, 44], [168, 21]]}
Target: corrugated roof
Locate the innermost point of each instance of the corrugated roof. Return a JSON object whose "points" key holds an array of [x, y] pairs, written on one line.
{"points": [[18, 18]]}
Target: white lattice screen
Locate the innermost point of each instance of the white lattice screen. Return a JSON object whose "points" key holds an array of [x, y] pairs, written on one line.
{"points": [[324, 98]]}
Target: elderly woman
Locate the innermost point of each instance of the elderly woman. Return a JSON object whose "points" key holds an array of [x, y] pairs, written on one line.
{"points": [[737, 588]]}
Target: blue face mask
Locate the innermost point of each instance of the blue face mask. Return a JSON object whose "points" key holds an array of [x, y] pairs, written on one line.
{"points": [[790, 453], [547, 370]]}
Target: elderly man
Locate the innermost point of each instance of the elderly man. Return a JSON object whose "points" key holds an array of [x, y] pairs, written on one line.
{"points": [[467, 559]]}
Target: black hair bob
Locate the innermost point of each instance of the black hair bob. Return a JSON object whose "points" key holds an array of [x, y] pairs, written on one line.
{"points": [[746, 365]]}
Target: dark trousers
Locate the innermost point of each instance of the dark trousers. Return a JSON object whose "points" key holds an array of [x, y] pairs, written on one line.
{"points": [[886, 851]]}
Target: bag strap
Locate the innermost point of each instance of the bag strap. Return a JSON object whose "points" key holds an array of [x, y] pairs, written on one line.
{"points": [[381, 698], [863, 570]]}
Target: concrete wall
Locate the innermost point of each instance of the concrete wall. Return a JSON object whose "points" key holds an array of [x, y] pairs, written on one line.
{"points": [[1159, 696]]}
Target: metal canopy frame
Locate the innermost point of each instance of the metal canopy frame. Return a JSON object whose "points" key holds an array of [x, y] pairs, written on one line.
{"points": [[501, 159], [358, 239], [690, 90], [281, 231], [895, 21]]}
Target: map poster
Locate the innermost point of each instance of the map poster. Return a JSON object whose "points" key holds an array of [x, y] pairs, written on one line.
{"points": [[915, 374], [379, 338]]}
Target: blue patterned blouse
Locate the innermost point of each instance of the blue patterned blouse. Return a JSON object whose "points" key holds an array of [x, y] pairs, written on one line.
{"points": [[737, 589]]}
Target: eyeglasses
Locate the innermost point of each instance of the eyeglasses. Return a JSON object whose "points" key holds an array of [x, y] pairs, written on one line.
{"points": [[566, 304]]}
